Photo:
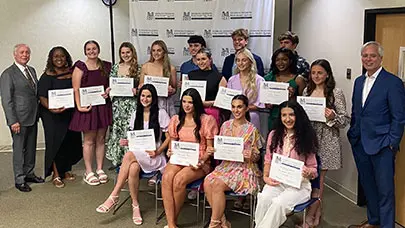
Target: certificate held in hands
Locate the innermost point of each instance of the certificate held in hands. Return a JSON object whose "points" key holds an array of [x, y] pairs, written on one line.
{"points": [[196, 84], [91, 96], [314, 107], [224, 97], [121, 87], [60, 98], [160, 83], [228, 148], [273, 92], [286, 170], [141, 140], [185, 153]]}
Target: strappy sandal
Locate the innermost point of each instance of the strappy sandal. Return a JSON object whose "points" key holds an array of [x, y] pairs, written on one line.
{"points": [[103, 208], [152, 181], [102, 176], [91, 179], [136, 215], [215, 224], [57, 181], [225, 223], [70, 176]]}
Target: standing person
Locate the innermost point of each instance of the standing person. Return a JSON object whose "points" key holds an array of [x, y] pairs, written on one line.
{"points": [[63, 147], [159, 65], [240, 39], [92, 120], [376, 128], [18, 88], [239, 177], [322, 84], [295, 138], [191, 125], [122, 107], [290, 40]]}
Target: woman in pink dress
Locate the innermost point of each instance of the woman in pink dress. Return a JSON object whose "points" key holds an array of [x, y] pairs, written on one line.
{"points": [[240, 177], [190, 125], [147, 116], [93, 121]]}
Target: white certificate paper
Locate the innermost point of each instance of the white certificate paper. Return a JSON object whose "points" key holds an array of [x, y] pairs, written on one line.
{"points": [[121, 87], [61, 98], [314, 107], [273, 92], [161, 84], [200, 86], [91, 96], [228, 148], [286, 170], [224, 97], [185, 153], [141, 140]]}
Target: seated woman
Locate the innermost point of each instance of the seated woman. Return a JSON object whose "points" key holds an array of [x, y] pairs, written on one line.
{"points": [[295, 138], [190, 125], [147, 116], [240, 177]]}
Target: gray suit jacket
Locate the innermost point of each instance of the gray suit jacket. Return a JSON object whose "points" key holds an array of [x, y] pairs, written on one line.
{"points": [[18, 98]]}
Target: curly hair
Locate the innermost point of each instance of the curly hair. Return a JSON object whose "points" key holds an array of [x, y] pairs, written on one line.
{"points": [[330, 82], [49, 63], [251, 90], [166, 59], [133, 69], [292, 59]]}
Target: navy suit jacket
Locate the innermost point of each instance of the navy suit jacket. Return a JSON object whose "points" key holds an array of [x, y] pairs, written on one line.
{"points": [[380, 122]]}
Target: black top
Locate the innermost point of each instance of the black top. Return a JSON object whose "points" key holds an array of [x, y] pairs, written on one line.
{"points": [[213, 79]]}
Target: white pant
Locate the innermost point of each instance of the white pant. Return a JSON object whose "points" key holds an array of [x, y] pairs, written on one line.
{"points": [[275, 202]]}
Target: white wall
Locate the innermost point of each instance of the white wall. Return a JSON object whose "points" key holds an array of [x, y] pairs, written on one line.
{"points": [[333, 29], [43, 24]]}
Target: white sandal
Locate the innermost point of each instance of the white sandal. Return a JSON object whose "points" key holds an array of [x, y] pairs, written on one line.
{"points": [[102, 176], [136, 219], [105, 209], [91, 179]]}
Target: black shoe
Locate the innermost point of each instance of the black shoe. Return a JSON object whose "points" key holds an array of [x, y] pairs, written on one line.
{"points": [[23, 187], [34, 179]]}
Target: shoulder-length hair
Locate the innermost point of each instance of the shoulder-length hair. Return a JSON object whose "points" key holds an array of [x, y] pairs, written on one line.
{"points": [[251, 90], [133, 69], [166, 59], [100, 63], [330, 82], [292, 56], [154, 112], [305, 139], [49, 63], [198, 111]]}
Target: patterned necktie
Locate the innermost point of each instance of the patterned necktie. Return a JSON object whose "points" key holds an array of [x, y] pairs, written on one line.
{"points": [[29, 77]]}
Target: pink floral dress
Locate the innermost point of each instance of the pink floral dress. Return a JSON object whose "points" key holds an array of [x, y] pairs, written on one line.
{"points": [[241, 177]]}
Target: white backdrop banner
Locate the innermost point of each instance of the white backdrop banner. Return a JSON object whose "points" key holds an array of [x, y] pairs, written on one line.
{"points": [[173, 21]]}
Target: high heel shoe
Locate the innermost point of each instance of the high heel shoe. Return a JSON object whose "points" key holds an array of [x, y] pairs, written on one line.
{"points": [[136, 215], [215, 224], [104, 208], [225, 223]]}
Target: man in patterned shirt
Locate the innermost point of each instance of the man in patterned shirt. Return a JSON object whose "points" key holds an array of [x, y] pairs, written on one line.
{"points": [[290, 40]]}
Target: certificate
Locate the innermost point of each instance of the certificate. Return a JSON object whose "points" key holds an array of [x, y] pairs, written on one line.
{"points": [[185, 153], [161, 84], [121, 87], [314, 107], [273, 92], [224, 97], [141, 140], [61, 98], [91, 96], [286, 170], [184, 77], [200, 86], [228, 148]]}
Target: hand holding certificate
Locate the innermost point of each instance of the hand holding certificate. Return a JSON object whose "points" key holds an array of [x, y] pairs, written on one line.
{"points": [[224, 97], [141, 140], [184, 153], [198, 85], [228, 148], [286, 170], [121, 87], [161, 84], [60, 98], [314, 107], [273, 92], [91, 96]]}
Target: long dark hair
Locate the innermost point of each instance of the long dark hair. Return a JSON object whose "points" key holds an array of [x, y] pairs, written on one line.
{"points": [[245, 101], [49, 63], [198, 111], [100, 63], [291, 56], [330, 82], [154, 111], [306, 141]]}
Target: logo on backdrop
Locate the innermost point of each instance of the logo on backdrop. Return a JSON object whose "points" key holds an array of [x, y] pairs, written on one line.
{"points": [[159, 16], [170, 33], [144, 32], [260, 33], [208, 33], [188, 16], [225, 52], [186, 52], [236, 15]]}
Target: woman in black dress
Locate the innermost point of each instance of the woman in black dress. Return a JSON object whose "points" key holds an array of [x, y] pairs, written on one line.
{"points": [[63, 147]]}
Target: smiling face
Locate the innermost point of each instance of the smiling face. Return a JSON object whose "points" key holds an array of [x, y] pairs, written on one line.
{"points": [[239, 109], [157, 52], [193, 48], [286, 43], [288, 118], [92, 51], [282, 62], [59, 59], [239, 42], [203, 62], [187, 104], [22, 55], [126, 54], [318, 75], [371, 59], [243, 62], [146, 98]]}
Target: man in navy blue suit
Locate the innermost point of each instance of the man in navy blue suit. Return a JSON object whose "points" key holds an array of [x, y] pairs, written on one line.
{"points": [[376, 128]]}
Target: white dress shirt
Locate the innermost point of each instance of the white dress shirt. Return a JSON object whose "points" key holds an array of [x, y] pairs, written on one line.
{"points": [[368, 84]]}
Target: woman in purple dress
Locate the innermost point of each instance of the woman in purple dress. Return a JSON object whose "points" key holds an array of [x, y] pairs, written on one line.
{"points": [[93, 121]]}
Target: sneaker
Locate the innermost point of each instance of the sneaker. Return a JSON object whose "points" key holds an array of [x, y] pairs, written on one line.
{"points": [[192, 195]]}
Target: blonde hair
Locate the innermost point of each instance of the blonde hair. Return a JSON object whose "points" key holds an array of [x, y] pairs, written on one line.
{"points": [[133, 69], [166, 60], [251, 90]]}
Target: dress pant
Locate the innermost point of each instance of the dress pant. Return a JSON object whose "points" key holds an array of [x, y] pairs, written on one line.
{"points": [[376, 173], [24, 152]]}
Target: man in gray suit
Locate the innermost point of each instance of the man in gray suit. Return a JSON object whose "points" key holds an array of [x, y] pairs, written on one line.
{"points": [[18, 91]]}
